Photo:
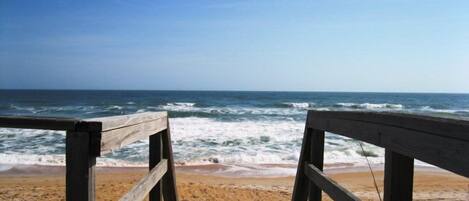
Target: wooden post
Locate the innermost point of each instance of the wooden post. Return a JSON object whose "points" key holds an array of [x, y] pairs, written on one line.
{"points": [[169, 179], [80, 170], [300, 190], [317, 159], [155, 158], [398, 176]]}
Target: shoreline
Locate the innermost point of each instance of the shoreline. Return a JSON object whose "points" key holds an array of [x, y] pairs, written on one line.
{"points": [[47, 183], [221, 170]]}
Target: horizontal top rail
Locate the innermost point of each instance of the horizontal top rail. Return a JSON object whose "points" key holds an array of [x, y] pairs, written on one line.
{"points": [[74, 124], [108, 133], [448, 127], [442, 142], [115, 122], [119, 131], [47, 123]]}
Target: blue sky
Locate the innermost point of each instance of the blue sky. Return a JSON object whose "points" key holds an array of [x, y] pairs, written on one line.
{"points": [[349, 45]]}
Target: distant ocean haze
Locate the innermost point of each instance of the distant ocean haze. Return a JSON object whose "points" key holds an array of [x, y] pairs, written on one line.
{"points": [[241, 130]]}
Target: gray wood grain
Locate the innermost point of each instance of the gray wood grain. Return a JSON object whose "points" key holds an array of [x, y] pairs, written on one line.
{"points": [[443, 151], [115, 122], [170, 192], [141, 189], [117, 138], [445, 127], [334, 190]]}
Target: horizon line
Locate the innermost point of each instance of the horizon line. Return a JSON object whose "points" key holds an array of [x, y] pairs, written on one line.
{"points": [[232, 90]]}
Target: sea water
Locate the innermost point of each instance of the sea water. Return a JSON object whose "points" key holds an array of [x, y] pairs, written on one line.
{"points": [[252, 132]]}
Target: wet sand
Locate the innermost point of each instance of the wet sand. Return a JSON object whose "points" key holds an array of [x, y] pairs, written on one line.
{"points": [[47, 183]]}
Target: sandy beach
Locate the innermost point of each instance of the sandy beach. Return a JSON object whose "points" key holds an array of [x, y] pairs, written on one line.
{"points": [[47, 183]]}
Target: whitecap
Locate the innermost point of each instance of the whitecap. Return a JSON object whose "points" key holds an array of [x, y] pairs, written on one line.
{"points": [[178, 106], [114, 107], [451, 111], [371, 106], [181, 104], [299, 105]]}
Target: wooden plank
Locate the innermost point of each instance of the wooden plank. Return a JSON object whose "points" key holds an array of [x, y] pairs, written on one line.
{"points": [[80, 167], [316, 159], [141, 189], [445, 127], [445, 152], [354, 129], [398, 177], [47, 123], [155, 157], [115, 122], [117, 138], [300, 189], [169, 180], [334, 190]]}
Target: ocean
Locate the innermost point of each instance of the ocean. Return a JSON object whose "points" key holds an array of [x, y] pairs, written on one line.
{"points": [[252, 132]]}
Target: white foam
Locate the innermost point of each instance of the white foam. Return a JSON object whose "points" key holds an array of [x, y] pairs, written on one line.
{"points": [[450, 111], [32, 159], [178, 106], [59, 160], [253, 170], [196, 140], [281, 143], [141, 110], [299, 105], [20, 108], [239, 144], [114, 107], [370, 106], [181, 104], [232, 110]]}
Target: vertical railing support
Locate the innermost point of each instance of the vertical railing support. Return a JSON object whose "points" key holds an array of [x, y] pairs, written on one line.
{"points": [[80, 167], [300, 189], [312, 152], [155, 158], [398, 176], [169, 179], [317, 159]]}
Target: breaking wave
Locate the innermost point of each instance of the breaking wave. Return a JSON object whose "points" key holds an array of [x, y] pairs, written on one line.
{"points": [[299, 105], [242, 130], [370, 106]]}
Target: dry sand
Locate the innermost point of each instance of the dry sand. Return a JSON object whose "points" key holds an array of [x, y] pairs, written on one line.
{"points": [[47, 183]]}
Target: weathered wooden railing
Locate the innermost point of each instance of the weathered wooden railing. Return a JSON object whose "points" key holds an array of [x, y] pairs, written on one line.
{"points": [[441, 142], [90, 138]]}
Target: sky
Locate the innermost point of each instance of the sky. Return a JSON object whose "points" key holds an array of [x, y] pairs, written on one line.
{"points": [[315, 45]]}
